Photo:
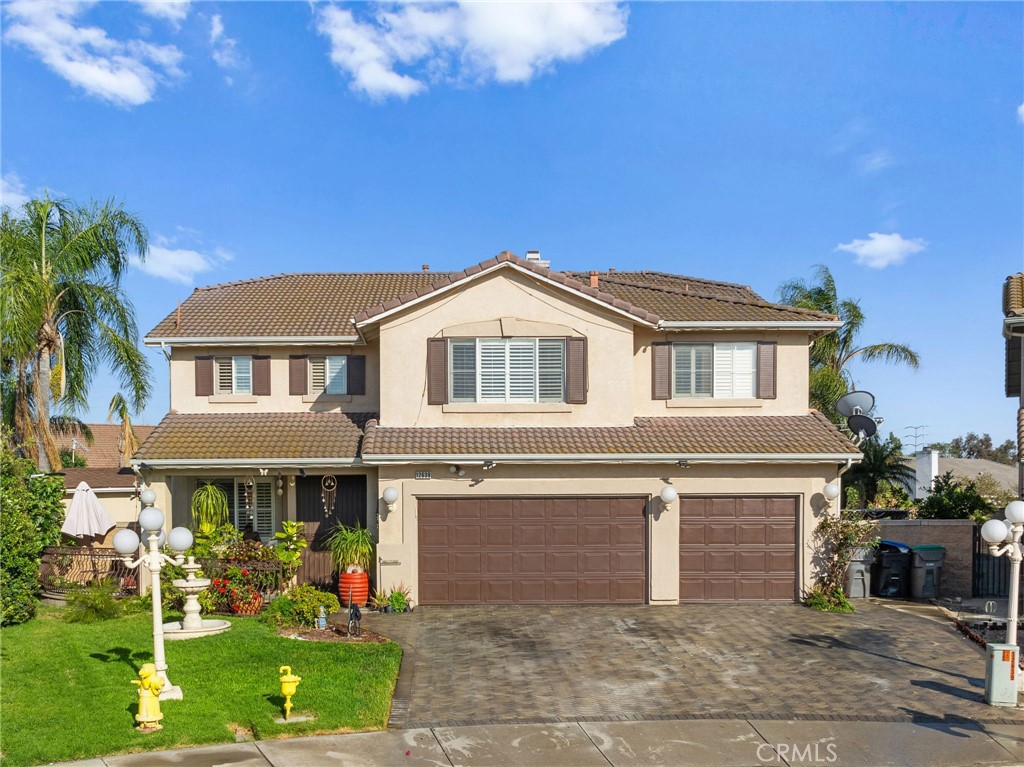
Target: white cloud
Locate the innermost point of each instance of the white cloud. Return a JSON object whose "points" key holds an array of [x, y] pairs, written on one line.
{"points": [[12, 191], [179, 264], [174, 11], [506, 42], [125, 73], [874, 162], [1020, 113], [223, 48], [882, 250]]}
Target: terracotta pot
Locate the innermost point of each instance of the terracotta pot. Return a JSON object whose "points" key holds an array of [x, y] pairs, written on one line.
{"points": [[252, 607], [360, 585]]}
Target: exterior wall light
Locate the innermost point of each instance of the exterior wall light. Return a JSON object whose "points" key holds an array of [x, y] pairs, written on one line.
{"points": [[668, 496], [390, 497], [831, 492]]}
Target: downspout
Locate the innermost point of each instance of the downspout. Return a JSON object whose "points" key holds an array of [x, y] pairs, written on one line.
{"points": [[167, 354]]}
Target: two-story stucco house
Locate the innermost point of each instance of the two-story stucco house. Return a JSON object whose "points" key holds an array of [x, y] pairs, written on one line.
{"points": [[525, 420]]}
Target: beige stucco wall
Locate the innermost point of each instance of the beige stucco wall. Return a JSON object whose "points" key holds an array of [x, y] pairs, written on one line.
{"points": [[955, 534], [403, 355], [121, 505], [183, 387], [791, 376], [399, 529]]}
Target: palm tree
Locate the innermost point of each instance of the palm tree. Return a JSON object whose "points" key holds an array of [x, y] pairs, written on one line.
{"points": [[63, 311], [882, 462], [830, 354], [127, 442]]}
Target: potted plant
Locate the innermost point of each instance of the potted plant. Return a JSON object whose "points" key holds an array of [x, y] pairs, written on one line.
{"points": [[209, 509], [399, 599], [379, 600], [351, 550]]}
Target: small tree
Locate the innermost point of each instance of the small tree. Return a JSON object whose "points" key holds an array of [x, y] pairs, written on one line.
{"points": [[952, 498], [839, 535]]}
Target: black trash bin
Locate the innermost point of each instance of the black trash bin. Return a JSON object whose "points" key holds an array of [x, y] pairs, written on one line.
{"points": [[926, 571], [890, 575]]}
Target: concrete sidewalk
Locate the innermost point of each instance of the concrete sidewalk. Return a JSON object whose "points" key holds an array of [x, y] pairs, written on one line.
{"points": [[682, 743]]}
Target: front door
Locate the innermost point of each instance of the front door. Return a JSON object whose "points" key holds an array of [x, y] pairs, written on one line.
{"points": [[349, 509]]}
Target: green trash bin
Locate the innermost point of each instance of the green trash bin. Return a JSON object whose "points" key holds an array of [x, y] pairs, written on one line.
{"points": [[926, 571]]}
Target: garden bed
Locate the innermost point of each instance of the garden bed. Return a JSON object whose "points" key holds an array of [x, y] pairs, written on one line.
{"points": [[67, 690]]}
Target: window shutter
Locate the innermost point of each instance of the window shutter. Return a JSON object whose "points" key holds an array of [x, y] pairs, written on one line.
{"points": [[225, 380], [766, 367], [493, 369], [263, 511], [661, 370], [522, 369], [261, 376], [204, 376], [357, 374], [576, 371], [297, 374], [437, 371]]}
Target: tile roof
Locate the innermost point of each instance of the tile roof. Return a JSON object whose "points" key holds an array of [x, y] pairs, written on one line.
{"points": [[324, 304], [241, 436], [693, 435], [104, 451], [102, 477], [1013, 295]]}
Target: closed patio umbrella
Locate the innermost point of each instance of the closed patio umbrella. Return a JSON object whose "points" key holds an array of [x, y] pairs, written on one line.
{"points": [[86, 515]]}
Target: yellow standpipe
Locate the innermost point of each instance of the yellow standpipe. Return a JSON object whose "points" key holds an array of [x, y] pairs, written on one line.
{"points": [[288, 684], [150, 683]]}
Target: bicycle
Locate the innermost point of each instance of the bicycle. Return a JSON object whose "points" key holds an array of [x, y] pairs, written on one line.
{"points": [[355, 615]]}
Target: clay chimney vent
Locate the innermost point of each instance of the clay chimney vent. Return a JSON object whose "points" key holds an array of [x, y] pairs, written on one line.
{"points": [[593, 279], [425, 267]]}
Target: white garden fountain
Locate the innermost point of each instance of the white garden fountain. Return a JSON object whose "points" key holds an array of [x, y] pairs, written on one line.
{"points": [[192, 625]]}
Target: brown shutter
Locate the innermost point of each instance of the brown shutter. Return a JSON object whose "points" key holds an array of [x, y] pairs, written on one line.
{"points": [[297, 374], [261, 376], [1013, 363], [355, 367], [437, 371], [661, 370], [576, 371], [204, 376], [766, 352]]}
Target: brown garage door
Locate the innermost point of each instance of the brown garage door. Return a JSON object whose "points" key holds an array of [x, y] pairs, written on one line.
{"points": [[531, 550], [737, 549]]}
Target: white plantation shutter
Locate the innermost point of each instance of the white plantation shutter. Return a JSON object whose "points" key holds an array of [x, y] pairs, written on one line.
{"points": [[317, 374], [224, 375], [551, 369], [243, 375], [263, 511], [241, 516], [693, 370], [734, 370], [522, 369], [492, 367], [337, 376], [463, 371]]}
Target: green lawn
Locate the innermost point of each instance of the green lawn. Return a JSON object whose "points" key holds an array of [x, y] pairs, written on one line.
{"points": [[66, 691]]}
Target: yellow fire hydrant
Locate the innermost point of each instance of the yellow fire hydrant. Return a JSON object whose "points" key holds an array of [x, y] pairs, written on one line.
{"points": [[288, 684], [150, 683]]}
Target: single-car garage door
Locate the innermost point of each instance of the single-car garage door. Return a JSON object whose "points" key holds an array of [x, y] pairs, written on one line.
{"points": [[553, 550], [737, 549]]}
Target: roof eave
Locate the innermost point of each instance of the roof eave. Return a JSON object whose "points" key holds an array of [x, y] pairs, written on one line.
{"points": [[252, 340], [234, 463], [804, 325], [646, 458]]}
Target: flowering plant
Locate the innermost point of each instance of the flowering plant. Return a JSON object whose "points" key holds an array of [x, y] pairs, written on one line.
{"points": [[237, 587]]}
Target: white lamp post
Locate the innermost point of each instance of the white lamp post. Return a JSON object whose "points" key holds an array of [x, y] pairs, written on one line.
{"points": [[126, 542], [1004, 539]]}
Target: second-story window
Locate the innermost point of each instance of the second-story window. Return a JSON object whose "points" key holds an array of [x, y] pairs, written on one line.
{"points": [[233, 375], [507, 370], [721, 370], [328, 375]]}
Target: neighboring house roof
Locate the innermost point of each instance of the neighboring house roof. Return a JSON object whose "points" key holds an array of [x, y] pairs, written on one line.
{"points": [[98, 479], [324, 306], [787, 437], [970, 468], [1013, 295], [190, 438], [104, 452]]}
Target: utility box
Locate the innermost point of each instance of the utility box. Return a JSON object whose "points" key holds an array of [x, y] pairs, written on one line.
{"points": [[1001, 674], [926, 571]]}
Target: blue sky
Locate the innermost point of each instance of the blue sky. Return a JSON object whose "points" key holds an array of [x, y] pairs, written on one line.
{"points": [[741, 142]]}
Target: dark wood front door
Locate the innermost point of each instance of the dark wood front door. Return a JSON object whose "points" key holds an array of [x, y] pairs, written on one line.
{"points": [[548, 550], [737, 549], [349, 509]]}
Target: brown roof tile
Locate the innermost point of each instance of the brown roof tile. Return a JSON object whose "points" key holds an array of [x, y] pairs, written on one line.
{"points": [[103, 452], [1013, 295], [229, 436], [102, 477], [694, 435]]}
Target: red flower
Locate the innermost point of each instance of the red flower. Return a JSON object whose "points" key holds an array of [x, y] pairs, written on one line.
{"points": [[235, 608], [222, 589], [216, 581], [245, 572]]}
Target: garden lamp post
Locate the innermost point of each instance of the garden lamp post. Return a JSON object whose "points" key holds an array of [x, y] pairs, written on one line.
{"points": [[126, 542], [996, 532]]}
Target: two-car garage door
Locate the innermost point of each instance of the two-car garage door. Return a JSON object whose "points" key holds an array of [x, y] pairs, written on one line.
{"points": [[579, 550]]}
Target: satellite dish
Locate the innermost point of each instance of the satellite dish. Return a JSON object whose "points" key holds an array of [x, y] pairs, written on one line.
{"points": [[855, 403], [862, 425]]}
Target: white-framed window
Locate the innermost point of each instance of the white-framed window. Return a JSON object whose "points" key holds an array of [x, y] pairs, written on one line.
{"points": [[255, 508], [507, 370], [233, 375], [328, 375], [720, 370]]}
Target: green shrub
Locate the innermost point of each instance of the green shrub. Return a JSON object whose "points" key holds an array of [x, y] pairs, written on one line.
{"points": [[93, 603], [299, 607], [828, 601], [398, 601], [26, 523]]}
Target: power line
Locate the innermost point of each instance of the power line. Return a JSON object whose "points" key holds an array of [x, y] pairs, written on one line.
{"points": [[917, 433]]}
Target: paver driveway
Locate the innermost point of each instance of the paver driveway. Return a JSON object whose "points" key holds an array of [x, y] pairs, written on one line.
{"points": [[484, 664]]}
